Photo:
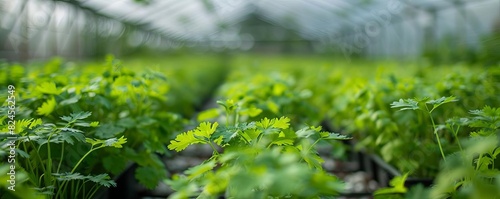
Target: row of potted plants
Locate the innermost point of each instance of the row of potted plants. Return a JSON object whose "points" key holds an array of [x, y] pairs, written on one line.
{"points": [[78, 126]]}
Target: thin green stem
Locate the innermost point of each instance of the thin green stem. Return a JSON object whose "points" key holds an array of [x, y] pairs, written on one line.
{"points": [[49, 180], [79, 187], [84, 156], [93, 190], [479, 161], [238, 131], [60, 160], [227, 118], [39, 159], [213, 148], [456, 138], [316, 142], [235, 113], [76, 166], [436, 133]]}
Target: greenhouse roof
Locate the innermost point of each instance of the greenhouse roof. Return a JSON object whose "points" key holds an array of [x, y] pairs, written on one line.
{"points": [[202, 19]]}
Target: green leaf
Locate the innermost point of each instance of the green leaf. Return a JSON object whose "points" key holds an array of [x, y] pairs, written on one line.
{"points": [[103, 180], [114, 163], [150, 176], [226, 134], [313, 160], [334, 136], [35, 123], [22, 124], [93, 141], [80, 115], [69, 134], [94, 124], [273, 107], [206, 130], [252, 112], [198, 171], [443, 100], [106, 131], [397, 186], [48, 88], [69, 176], [283, 141], [405, 104], [82, 124], [282, 123], [146, 121], [264, 123], [305, 132], [71, 100], [114, 142], [66, 118], [126, 122], [47, 107], [208, 114], [183, 140]]}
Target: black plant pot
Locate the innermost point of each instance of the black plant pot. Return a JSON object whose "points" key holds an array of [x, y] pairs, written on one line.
{"points": [[125, 186], [375, 166]]}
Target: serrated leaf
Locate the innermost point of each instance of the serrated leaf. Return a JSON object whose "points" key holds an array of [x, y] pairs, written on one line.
{"points": [[442, 100], [397, 186], [102, 179], [47, 107], [264, 123], [80, 115], [313, 160], [69, 135], [219, 140], [35, 123], [66, 118], [458, 121], [94, 124], [282, 123], [305, 132], [69, 176], [283, 141], [48, 88], [22, 124], [405, 104], [114, 142], [183, 140], [227, 134], [108, 131], [206, 130], [64, 129]]}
